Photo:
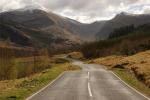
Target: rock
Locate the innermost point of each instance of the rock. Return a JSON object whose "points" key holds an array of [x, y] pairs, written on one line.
{"points": [[118, 66], [142, 62], [13, 97]]}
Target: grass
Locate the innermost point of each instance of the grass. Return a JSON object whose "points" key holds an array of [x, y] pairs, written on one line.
{"points": [[76, 55], [138, 64], [134, 70], [19, 89], [132, 81]]}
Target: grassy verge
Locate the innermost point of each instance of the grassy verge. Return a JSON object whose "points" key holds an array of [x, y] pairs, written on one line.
{"points": [[19, 89], [132, 81]]}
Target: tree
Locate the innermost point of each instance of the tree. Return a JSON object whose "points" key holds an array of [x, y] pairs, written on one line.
{"points": [[7, 64]]}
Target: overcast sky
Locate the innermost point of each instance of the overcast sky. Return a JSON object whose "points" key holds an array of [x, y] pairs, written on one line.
{"points": [[82, 10]]}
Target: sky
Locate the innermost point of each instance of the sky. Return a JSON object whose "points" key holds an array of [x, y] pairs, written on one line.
{"points": [[85, 11]]}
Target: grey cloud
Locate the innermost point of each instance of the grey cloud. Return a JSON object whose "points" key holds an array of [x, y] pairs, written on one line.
{"points": [[90, 8]]}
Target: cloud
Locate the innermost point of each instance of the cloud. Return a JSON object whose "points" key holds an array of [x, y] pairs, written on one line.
{"points": [[10, 4], [146, 10], [82, 10]]}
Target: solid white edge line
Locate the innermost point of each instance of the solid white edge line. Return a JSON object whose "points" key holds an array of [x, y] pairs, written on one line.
{"points": [[30, 97], [89, 89], [130, 86]]}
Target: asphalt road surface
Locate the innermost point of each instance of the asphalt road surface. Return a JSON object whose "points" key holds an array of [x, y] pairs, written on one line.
{"points": [[93, 82]]}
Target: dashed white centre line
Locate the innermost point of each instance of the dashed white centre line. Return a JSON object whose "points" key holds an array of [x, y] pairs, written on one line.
{"points": [[88, 75], [89, 88]]}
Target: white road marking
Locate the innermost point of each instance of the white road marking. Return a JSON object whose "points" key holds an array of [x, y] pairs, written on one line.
{"points": [[46, 86], [89, 89], [130, 86], [88, 75]]}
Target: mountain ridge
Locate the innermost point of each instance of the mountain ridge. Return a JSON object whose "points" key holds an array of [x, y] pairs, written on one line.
{"points": [[122, 20], [46, 29]]}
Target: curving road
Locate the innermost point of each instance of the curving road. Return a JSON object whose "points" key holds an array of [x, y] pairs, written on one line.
{"points": [[92, 83]]}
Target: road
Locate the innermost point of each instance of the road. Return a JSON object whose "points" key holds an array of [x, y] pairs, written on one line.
{"points": [[93, 82]]}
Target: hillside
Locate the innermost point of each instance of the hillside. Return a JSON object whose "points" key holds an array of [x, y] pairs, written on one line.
{"points": [[87, 32], [121, 20], [35, 28], [136, 64], [45, 29], [128, 44]]}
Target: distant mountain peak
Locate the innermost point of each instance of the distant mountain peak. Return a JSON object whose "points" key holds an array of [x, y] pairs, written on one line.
{"points": [[121, 20], [32, 8], [126, 14]]}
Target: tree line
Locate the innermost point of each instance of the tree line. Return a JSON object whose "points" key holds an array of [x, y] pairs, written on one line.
{"points": [[123, 31], [12, 66], [126, 40]]}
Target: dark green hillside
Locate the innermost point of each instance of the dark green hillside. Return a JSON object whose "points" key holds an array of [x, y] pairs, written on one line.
{"points": [[122, 44]]}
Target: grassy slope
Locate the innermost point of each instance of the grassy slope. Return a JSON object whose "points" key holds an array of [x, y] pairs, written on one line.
{"points": [[132, 81], [135, 69], [19, 89], [75, 55]]}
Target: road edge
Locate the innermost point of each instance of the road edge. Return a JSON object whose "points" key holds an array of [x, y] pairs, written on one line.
{"points": [[130, 86], [34, 94]]}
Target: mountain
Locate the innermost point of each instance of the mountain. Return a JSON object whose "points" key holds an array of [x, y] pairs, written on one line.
{"points": [[136, 41], [88, 31], [121, 20], [38, 28]]}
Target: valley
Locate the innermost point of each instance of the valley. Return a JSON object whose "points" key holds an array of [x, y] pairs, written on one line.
{"points": [[36, 46]]}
